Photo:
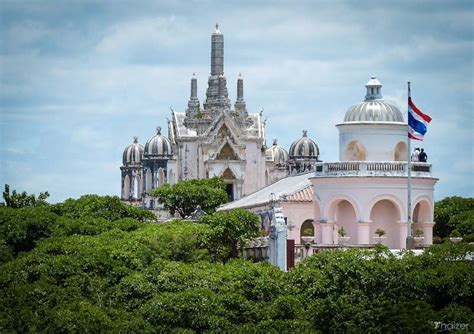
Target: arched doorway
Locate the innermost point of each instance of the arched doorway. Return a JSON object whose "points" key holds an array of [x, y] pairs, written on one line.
{"points": [[385, 215], [423, 220], [344, 215], [229, 179]]}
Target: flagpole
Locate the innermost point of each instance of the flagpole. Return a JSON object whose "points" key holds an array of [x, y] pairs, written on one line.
{"points": [[409, 219]]}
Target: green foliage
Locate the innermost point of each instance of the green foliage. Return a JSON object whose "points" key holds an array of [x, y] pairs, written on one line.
{"points": [[380, 232], [454, 213], [68, 270], [307, 232], [20, 229], [455, 234], [341, 231], [418, 232], [228, 230], [185, 196], [21, 200], [107, 207]]}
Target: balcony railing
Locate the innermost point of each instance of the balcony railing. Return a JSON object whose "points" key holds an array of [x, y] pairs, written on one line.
{"points": [[372, 168]]}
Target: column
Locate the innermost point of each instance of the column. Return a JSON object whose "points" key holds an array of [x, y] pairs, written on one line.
{"points": [[363, 233], [427, 228], [403, 233], [327, 228]]}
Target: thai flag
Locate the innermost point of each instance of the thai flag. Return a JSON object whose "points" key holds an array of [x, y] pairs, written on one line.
{"points": [[417, 121]]}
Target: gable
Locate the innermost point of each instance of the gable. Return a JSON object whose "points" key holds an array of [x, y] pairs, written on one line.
{"points": [[228, 174], [227, 153]]}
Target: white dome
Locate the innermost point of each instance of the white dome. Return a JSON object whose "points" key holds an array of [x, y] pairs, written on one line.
{"points": [[133, 153], [277, 154], [304, 147], [158, 146], [374, 108]]}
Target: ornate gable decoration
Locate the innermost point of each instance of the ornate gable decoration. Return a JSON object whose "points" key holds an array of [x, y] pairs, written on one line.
{"points": [[228, 174], [227, 153]]}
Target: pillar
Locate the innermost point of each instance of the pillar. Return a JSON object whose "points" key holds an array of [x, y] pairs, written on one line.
{"points": [[327, 228], [363, 233], [427, 228], [402, 233]]}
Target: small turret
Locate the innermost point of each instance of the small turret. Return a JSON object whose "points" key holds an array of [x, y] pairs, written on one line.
{"points": [[193, 104], [240, 105]]}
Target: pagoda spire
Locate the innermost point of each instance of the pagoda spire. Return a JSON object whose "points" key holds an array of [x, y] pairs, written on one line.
{"points": [[217, 96], [240, 105], [193, 103], [217, 52]]}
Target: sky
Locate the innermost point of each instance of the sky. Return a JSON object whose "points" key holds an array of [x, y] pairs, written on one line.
{"points": [[79, 79]]}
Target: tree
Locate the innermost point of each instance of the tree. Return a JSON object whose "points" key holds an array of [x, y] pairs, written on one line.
{"points": [[21, 200], [108, 207], [228, 230], [454, 213], [185, 196]]}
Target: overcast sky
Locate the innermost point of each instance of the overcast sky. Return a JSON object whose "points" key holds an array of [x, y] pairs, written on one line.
{"points": [[80, 78]]}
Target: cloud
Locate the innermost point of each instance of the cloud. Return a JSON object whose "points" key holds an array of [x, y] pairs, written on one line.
{"points": [[79, 79]]}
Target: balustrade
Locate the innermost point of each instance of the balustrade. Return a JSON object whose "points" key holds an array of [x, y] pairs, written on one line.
{"points": [[372, 168]]}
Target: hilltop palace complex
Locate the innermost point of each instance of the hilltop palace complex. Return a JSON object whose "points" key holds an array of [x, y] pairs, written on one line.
{"points": [[363, 191]]}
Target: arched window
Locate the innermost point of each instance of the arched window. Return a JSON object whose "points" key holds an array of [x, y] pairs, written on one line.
{"points": [[161, 177], [400, 153], [307, 229], [148, 181], [355, 151], [171, 176], [126, 187], [135, 187]]}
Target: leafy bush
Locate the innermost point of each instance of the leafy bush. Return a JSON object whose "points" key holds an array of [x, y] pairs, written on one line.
{"points": [[183, 197], [107, 207], [228, 230]]}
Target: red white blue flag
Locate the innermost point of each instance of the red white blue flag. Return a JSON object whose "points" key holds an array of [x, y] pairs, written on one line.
{"points": [[417, 121]]}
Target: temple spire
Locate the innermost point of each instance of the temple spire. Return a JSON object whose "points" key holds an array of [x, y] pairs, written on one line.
{"points": [[193, 103], [217, 97], [240, 105], [217, 52]]}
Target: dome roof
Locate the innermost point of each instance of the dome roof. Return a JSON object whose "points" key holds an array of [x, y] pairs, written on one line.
{"points": [[276, 154], [133, 153], [304, 147], [374, 108], [158, 145]]}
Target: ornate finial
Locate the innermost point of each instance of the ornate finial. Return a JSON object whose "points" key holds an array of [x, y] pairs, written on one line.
{"points": [[194, 74], [305, 133], [135, 139], [158, 130], [240, 75], [275, 141], [217, 26]]}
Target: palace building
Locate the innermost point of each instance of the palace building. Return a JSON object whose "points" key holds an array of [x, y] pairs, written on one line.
{"points": [[214, 138], [364, 191]]}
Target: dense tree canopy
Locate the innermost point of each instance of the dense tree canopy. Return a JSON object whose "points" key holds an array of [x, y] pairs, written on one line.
{"points": [[21, 200], [185, 196], [454, 213], [90, 265], [228, 230]]}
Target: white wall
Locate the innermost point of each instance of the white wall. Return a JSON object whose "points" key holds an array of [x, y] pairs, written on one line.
{"points": [[379, 139]]}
